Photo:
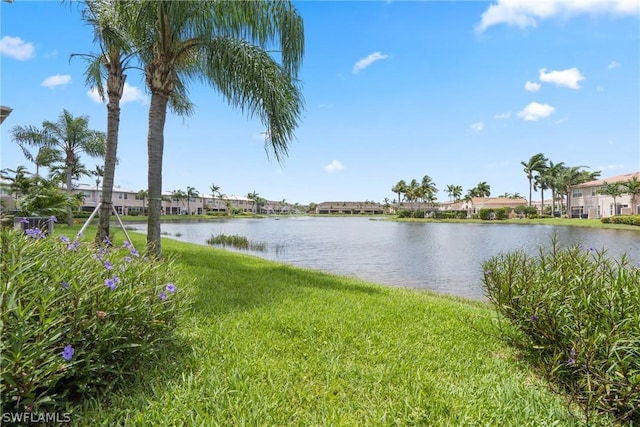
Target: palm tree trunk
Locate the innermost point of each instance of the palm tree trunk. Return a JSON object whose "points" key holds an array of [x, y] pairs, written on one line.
{"points": [[155, 147], [530, 188], [68, 171], [114, 91], [541, 201]]}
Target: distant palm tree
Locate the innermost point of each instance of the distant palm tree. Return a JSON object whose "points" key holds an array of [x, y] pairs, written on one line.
{"points": [[143, 195], [98, 172], [614, 190], [552, 174], [71, 136], [457, 193], [482, 189], [399, 189], [632, 187], [449, 191], [191, 193], [536, 163], [178, 196], [253, 197], [21, 181], [468, 199]]}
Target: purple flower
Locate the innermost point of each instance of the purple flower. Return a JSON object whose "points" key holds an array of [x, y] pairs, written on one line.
{"points": [[128, 259], [24, 221], [134, 251], [116, 279], [126, 244], [108, 265], [171, 288], [487, 272], [64, 239], [534, 318], [163, 296], [36, 233], [107, 240], [110, 283], [573, 355], [68, 352], [64, 285], [73, 246], [53, 218], [79, 234]]}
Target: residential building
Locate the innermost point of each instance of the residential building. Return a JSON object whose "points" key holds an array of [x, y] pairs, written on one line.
{"points": [[367, 208], [586, 200], [476, 203]]}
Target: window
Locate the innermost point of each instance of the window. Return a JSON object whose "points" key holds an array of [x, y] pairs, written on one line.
{"points": [[577, 193], [139, 197]]}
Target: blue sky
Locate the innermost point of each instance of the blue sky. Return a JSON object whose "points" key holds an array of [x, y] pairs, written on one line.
{"points": [[460, 91]]}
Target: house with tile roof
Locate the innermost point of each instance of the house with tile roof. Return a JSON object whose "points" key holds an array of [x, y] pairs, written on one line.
{"points": [[587, 201]]}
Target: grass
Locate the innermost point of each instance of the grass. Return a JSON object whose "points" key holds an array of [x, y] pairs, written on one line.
{"points": [[271, 345]]}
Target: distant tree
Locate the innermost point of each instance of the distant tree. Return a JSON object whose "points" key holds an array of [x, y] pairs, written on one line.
{"points": [[143, 195], [536, 163], [632, 187], [482, 190], [468, 199], [178, 196], [191, 193], [614, 190], [70, 135], [20, 180], [98, 172], [253, 197], [400, 188]]}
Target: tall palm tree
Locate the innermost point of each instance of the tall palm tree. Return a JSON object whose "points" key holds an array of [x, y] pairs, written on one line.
{"points": [[536, 163], [254, 198], [449, 191], [614, 190], [191, 193], [143, 195], [21, 182], [177, 196], [107, 68], [215, 191], [98, 172], [428, 189], [632, 187], [552, 177], [482, 189], [399, 189], [225, 44], [468, 199], [457, 193], [71, 136]]}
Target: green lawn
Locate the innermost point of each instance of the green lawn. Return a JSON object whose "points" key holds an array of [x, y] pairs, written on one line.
{"points": [[563, 222], [271, 345]]}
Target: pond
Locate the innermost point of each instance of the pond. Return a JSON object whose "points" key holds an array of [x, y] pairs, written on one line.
{"points": [[443, 257]]}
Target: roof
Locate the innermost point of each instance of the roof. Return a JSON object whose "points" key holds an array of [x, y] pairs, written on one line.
{"points": [[610, 180], [4, 112]]}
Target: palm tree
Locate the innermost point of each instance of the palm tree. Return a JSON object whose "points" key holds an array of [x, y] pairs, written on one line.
{"points": [[632, 187], [535, 164], [449, 191], [457, 193], [482, 189], [400, 188], [191, 193], [614, 190], [70, 135], [98, 172], [552, 173], [223, 44], [177, 196], [468, 199], [143, 195], [21, 181], [215, 191], [428, 189], [254, 198], [107, 68]]}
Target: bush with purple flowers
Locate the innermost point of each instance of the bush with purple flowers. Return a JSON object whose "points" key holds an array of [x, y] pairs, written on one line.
{"points": [[576, 313], [75, 323]]}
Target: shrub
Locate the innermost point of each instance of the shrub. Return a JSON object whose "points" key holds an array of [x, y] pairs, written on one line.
{"points": [[578, 312], [622, 219], [493, 213], [76, 318]]}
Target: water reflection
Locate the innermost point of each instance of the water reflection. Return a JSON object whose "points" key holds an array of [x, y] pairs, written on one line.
{"points": [[444, 257]]}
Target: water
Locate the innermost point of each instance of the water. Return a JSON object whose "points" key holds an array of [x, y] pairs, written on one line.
{"points": [[443, 257]]}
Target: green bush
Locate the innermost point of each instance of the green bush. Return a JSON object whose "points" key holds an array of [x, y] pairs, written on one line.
{"points": [[622, 219], [457, 214], [493, 213], [78, 319], [578, 312]]}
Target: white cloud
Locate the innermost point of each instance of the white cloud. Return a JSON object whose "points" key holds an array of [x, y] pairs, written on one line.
{"points": [[57, 80], [16, 48], [477, 126], [334, 166], [365, 62], [531, 86], [527, 13], [503, 116], [535, 111], [613, 64], [129, 94], [570, 77]]}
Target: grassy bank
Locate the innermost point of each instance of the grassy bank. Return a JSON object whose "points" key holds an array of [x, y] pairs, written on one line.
{"points": [[269, 344]]}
